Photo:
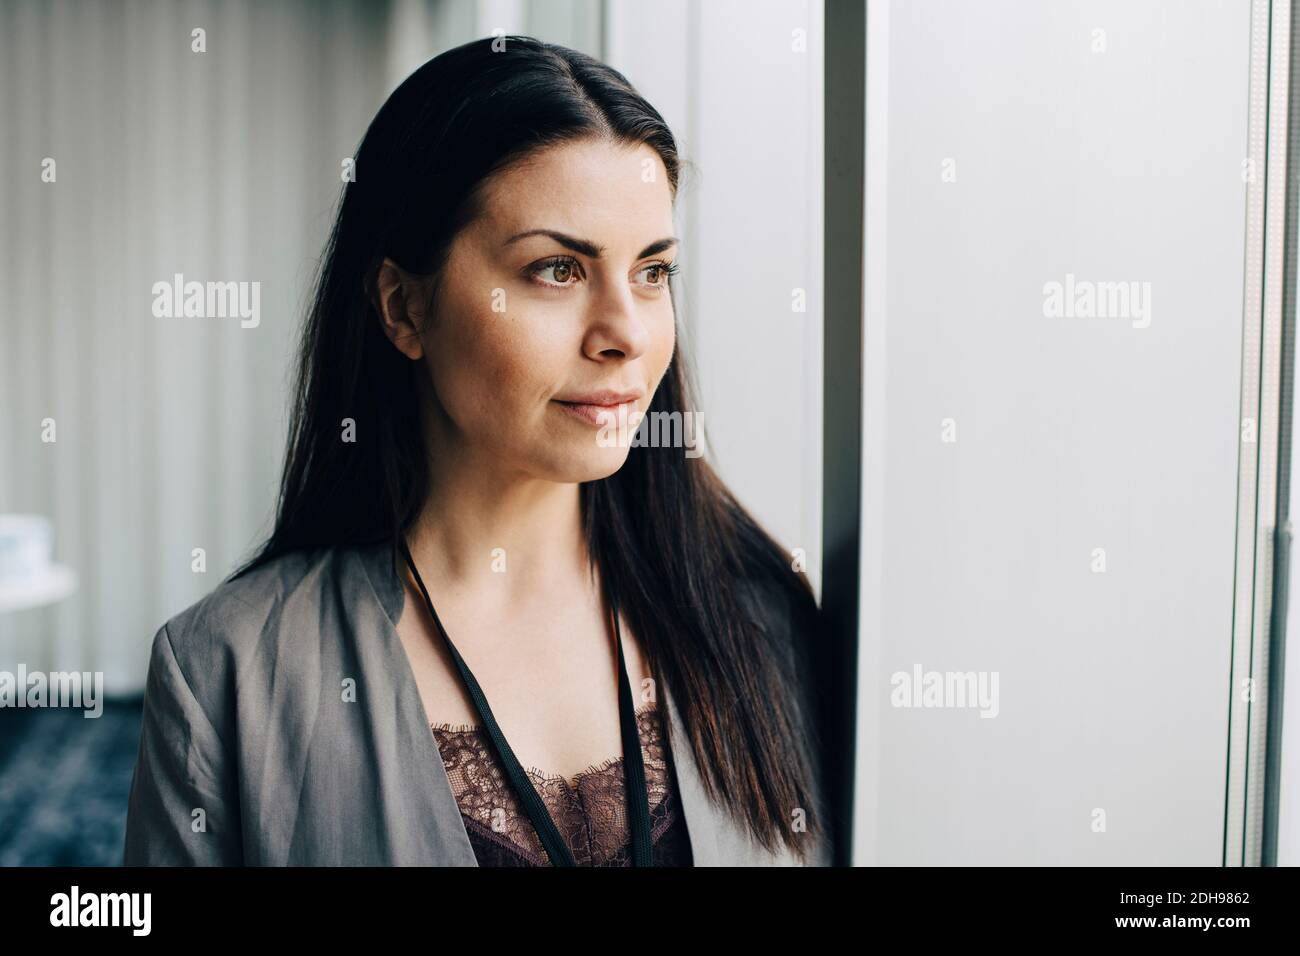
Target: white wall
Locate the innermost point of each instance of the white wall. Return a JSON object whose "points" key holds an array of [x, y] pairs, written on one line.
{"points": [[1072, 434]]}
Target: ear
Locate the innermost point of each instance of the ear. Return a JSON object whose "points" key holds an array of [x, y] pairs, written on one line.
{"points": [[397, 297]]}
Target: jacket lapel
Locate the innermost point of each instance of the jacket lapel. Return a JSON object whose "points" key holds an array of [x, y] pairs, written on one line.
{"points": [[717, 839], [696, 806], [420, 775]]}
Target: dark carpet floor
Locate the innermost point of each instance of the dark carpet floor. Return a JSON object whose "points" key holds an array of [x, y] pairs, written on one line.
{"points": [[64, 782]]}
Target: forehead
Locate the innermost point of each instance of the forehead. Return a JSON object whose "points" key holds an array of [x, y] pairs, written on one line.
{"points": [[593, 189]]}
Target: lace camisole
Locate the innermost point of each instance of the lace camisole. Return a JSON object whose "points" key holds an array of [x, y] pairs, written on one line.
{"points": [[590, 811]]}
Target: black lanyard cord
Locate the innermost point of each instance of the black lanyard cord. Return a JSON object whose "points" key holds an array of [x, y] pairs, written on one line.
{"points": [[638, 800], [633, 765]]}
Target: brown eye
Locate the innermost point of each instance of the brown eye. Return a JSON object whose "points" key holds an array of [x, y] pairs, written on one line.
{"points": [[561, 271], [658, 274]]}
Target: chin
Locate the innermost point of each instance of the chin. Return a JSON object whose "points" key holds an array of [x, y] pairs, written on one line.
{"points": [[589, 464]]}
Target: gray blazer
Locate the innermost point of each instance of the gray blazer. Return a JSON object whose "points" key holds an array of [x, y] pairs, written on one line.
{"points": [[250, 754]]}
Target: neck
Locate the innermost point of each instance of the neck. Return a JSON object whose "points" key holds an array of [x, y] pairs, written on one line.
{"points": [[511, 534]]}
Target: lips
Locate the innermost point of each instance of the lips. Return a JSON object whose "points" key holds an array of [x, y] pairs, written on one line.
{"points": [[601, 407], [602, 397]]}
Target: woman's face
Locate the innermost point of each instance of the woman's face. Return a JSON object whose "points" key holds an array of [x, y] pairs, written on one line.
{"points": [[553, 303]]}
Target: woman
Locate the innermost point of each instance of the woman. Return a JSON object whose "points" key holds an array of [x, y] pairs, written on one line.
{"points": [[489, 626]]}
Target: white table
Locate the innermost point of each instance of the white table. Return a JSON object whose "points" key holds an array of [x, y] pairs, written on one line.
{"points": [[58, 582]]}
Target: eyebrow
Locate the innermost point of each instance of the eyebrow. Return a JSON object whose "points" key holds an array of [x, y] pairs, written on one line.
{"points": [[587, 247]]}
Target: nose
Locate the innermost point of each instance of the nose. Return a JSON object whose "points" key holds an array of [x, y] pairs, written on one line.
{"points": [[615, 326]]}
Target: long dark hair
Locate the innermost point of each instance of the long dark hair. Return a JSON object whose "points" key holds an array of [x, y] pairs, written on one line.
{"points": [[720, 614]]}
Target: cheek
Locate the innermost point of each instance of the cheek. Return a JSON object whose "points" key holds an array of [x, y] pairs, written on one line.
{"points": [[661, 347], [487, 365]]}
